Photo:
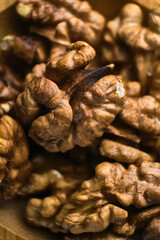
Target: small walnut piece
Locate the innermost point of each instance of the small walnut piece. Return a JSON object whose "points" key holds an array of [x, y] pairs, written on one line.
{"points": [[123, 153], [132, 31], [37, 71], [78, 103], [142, 113], [63, 21], [132, 88], [29, 49], [112, 49], [41, 212], [14, 152], [144, 40], [132, 40], [10, 86]]}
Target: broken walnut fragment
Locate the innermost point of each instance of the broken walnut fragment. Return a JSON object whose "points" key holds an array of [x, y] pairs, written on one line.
{"points": [[27, 48], [10, 86], [121, 152], [142, 113], [42, 212], [93, 207], [132, 40], [14, 152], [70, 105], [63, 21]]}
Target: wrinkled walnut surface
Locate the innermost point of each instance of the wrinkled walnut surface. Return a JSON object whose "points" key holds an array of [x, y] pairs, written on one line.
{"points": [[62, 178], [63, 21], [78, 104], [123, 153], [14, 152], [10, 86], [142, 113], [134, 33], [29, 49], [91, 208], [132, 40]]}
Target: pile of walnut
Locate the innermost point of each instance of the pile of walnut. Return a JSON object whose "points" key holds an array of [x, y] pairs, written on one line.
{"points": [[101, 123]]}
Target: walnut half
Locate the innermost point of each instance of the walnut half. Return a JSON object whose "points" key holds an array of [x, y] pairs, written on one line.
{"points": [[14, 152], [70, 105]]}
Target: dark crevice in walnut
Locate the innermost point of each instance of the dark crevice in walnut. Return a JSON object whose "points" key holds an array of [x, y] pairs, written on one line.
{"points": [[137, 221]]}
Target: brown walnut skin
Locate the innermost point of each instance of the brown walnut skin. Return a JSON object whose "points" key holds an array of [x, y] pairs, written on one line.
{"points": [[132, 31], [29, 49], [37, 71], [123, 153], [113, 49], [14, 152], [91, 208], [138, 221], [144, 41], [80, 103], [152, 231], [10, 86], [138, 39], [132, 88], [142, 113], [63, 21], [41, 212]]}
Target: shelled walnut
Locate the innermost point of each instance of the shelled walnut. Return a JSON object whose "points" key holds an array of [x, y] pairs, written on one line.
{"points": [[122, 143], [37, 71], [63, 21], [142, 113], [10, 86], [122, 152], [77, 104], [27, 48], [131, 40], [93, 207], [69, 102], [14, 153], [42, 212]]}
